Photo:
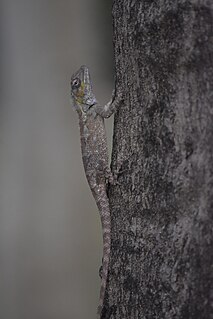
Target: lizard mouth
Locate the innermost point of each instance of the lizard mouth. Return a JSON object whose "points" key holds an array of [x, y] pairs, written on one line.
{"points": [[85, 93], [81, 90]]}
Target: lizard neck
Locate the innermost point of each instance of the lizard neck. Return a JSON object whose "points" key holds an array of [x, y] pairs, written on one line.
{"points": [[86, 111]]}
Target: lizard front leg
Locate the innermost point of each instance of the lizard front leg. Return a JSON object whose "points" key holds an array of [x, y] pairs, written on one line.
{"points": [[107, 110]]}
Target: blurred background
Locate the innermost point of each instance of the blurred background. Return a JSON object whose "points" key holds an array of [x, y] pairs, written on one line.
{"points": [[50, 234]]}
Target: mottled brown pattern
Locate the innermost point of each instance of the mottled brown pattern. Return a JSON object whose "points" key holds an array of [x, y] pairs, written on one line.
{"points": [[95, 158]]}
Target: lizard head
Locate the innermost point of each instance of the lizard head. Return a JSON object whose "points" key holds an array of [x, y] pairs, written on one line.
{"points": [[81, 90]]}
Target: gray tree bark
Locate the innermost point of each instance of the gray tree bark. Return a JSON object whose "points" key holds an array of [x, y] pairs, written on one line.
{"points": [[162, 209]]}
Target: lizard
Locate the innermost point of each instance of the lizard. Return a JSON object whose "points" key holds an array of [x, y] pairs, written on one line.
{"points": [[95, 155]]}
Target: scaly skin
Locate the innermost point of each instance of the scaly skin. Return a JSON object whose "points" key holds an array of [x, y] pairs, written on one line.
{"points": [[95, 156]]}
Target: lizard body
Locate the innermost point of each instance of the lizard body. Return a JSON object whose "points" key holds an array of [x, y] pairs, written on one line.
{"points": [[95, 155]]}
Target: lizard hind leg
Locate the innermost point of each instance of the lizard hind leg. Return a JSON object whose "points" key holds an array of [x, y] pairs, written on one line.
{"points": [[112, 178], [109, 176]]}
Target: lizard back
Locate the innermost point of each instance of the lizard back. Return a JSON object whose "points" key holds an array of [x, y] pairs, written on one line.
{"points": [[95, 159]]}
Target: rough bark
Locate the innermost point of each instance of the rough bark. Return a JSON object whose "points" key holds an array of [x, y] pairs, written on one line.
{"points": [[162, 208]]}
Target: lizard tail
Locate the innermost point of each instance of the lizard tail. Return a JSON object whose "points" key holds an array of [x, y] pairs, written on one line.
{"points": [[106, 227]]}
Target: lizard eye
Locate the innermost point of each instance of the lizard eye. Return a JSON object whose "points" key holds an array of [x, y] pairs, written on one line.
{"points": [[76, 83]]}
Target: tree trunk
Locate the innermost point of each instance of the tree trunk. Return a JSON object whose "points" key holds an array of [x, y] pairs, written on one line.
{"points": [[162, 207]]}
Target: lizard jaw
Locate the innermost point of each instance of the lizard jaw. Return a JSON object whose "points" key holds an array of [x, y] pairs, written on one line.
{"points": [[84, 97]]}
